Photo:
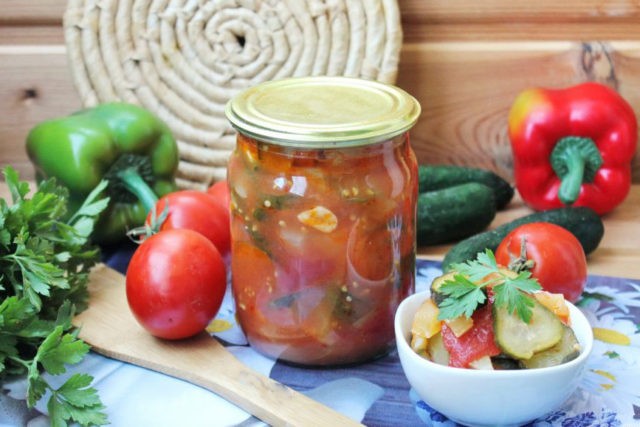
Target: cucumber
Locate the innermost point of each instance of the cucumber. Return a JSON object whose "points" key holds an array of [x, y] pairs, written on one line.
{"points": [[566, 350], [583, 222], [522, 340], [504, 363], [437, 177], [454, 213], [436, 295]]}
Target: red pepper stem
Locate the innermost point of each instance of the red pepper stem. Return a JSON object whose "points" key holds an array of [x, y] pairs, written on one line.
{"points": [[575, 160], [132, 181]]}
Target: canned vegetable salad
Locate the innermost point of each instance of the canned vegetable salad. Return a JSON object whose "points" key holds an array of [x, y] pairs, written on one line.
{"points": [[323, 187]]}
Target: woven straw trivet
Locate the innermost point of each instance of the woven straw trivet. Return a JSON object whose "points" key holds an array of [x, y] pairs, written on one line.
{"points": [[184, 59]]}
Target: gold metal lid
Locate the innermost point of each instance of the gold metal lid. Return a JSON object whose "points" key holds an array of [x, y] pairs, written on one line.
{"points": [[323, 112]]}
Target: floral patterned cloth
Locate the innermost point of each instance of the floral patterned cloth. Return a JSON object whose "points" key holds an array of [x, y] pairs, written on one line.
{"points": [[375, 393]]}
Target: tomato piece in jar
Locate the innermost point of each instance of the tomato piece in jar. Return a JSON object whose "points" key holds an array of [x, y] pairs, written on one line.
{"points": [[331, 255]]}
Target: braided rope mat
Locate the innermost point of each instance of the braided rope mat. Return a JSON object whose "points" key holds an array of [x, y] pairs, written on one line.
{"points": [[184, 59]]}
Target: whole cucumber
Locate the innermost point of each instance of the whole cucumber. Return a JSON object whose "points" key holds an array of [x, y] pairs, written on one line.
{"points": [[436, 177], [454, 213], [583, 222]]}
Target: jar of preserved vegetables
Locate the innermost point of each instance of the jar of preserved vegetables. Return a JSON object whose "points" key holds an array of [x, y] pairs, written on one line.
{"points": [[323, 185]]}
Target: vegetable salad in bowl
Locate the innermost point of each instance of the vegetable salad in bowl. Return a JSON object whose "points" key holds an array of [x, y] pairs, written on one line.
{"points": [[465, 345], [483, 316]]}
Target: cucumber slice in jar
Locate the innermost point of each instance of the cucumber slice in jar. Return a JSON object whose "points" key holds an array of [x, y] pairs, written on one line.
{"points": [[522, 340]]}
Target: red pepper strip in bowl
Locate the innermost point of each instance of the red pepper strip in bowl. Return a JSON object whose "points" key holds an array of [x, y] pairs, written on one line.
{"points": [[573, 146]]}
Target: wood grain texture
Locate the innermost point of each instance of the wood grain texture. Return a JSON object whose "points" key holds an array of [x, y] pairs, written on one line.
{"points": [[456, 20], [110, 328], [508, 30], [466, 90], [30, 35], [35, 86], [464, 61], [585, 11], [35, 12]]}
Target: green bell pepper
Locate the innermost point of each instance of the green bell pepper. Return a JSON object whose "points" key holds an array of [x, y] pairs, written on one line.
{"points": [[122, 143]]}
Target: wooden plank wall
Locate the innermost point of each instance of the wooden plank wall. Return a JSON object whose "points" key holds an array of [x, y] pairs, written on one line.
{"points": [[464, 60]]}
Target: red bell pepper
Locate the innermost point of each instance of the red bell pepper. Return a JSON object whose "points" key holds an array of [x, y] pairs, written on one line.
{"points": [[573, 146]]}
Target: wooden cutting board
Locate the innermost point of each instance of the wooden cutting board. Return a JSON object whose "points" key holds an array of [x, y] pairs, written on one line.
{"points": [[110, 328]]}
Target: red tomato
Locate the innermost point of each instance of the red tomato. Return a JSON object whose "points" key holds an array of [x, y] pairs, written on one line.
{"points": [[560, 264], [220, 191], [477, 342], [198, 211], [175, 283]]}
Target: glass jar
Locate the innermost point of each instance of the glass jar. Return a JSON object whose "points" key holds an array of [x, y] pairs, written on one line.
{"points": [[323, 185]]}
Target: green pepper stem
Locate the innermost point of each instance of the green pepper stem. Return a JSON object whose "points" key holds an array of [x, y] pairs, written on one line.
{"points": [[575, 160], [133, 182], [572, 181]]}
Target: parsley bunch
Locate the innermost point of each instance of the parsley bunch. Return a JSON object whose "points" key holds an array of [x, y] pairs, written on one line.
{"points": [[467, 290], [45, 261]]}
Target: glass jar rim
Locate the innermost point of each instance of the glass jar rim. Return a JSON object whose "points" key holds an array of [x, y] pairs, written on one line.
{"points": [[323, 112]]}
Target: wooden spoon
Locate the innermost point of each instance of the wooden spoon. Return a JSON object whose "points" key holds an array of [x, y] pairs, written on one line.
{"points": [[110, 328]]}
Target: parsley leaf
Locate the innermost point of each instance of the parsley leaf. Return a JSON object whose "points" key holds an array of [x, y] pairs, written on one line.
{"points": [[45, 259], [57, 350], [464, 297], [510, 294], [467, 289], [76, 400]]}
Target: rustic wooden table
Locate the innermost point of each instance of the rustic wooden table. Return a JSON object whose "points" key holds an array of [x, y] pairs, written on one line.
{"points": [[618, 254]]}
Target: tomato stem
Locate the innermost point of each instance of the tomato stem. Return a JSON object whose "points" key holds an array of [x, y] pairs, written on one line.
{"points": [[521, 263]]}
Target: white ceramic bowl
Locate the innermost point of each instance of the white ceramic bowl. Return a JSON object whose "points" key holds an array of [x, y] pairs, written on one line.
{"points": [[489, 398]]}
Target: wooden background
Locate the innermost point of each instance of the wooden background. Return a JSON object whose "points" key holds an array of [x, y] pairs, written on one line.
{"points": [[464, 60]]}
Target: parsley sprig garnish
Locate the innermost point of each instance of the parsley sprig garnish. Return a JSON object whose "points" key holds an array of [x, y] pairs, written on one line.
{"points": [[45, 260], [467, 290]]}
